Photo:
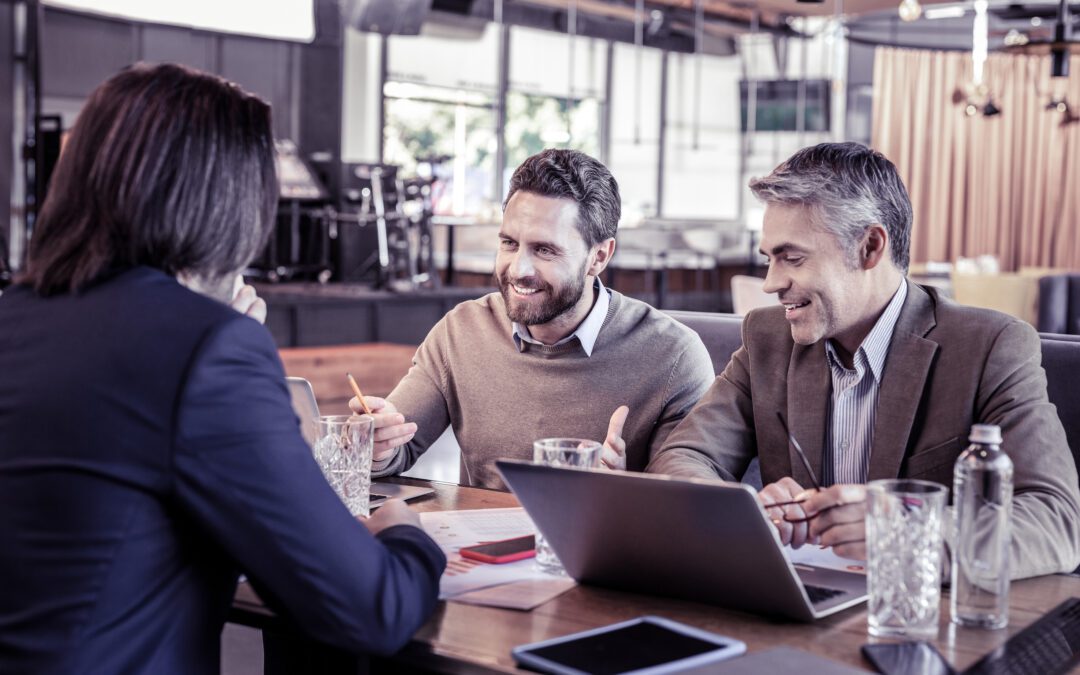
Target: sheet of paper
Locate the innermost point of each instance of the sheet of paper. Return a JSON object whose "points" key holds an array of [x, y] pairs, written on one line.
{"points": [[453, 529], [824, 557], [523, 595]]}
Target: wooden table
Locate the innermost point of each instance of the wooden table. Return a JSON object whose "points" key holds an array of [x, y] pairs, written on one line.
{"points": [[463, 638]]}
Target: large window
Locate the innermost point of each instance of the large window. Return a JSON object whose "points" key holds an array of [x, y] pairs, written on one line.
{"points": [[701, 157], [426, 122], [635, 128], [440, 99], [535, 122], [547, 105]]}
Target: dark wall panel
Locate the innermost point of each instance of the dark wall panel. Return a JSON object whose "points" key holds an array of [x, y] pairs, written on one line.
{"points": [[82, 51], [79, 52], [262, 67], [161, 44], [321, 324]]}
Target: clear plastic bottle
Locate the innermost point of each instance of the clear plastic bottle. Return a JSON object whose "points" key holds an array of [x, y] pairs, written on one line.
{"points": [[982, 497]]}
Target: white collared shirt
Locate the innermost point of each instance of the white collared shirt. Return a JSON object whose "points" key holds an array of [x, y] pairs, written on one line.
{"points": [[587, 331], [853, 406]]}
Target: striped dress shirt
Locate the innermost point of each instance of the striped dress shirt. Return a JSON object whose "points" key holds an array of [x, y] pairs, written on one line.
{"points": [[853, 405]]}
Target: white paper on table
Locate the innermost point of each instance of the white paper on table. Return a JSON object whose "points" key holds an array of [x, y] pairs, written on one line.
{"points": [[823, 556], [523, 595], [453, 529]]}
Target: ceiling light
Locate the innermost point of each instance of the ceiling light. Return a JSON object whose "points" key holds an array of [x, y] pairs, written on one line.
{"points": [[910, 10], [989, 110], [971, 109], [1059, 104]]}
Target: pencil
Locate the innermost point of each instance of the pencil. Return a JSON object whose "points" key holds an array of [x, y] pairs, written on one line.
{"points": [[359, 394]]}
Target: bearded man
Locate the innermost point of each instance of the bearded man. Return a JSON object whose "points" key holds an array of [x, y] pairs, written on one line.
{"points": [[552, 354]]}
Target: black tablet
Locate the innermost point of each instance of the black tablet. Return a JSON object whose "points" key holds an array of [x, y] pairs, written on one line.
{"points": [[648, 645]]}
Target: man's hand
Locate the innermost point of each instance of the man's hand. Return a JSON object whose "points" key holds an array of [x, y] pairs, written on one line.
{"points": [[787, 490], [392, 512], [613, 454], [391, 430], [838, 519], [248, 303]]}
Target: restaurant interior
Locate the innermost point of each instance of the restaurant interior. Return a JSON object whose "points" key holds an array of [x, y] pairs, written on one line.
{"points": [[399, 123]]}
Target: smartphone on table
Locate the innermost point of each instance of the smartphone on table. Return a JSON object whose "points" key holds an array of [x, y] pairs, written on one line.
{"points": [[507, 550]]}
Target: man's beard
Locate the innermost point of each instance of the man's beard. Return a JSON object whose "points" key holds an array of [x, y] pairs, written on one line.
{"points": [[555, 305]]}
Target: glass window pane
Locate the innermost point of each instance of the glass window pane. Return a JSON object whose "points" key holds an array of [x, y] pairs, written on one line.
{"points": [[441, 58], [536, 122], [431, 124], [550, 74], [635, 128], [701, 172]]}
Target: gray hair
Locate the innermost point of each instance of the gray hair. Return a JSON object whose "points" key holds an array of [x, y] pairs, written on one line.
{"points": [[847, 187], [569, 174]]}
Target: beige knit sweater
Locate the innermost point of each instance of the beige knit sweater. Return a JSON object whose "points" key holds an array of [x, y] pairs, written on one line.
{"points": [[469, 374]]}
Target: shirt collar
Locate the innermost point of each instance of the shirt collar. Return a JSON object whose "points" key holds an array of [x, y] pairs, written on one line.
{"points": [[587, 332], [875, 346]]}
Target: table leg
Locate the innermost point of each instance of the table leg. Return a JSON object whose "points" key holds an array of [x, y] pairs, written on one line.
{"points": [[450, 255]]}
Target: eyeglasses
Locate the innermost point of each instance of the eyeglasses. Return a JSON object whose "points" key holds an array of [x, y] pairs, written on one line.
{"points": [[809, 470], [799, 451]]}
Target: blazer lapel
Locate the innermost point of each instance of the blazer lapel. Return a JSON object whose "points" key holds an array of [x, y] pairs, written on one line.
{"points": [[907, 367], [808, 408]]}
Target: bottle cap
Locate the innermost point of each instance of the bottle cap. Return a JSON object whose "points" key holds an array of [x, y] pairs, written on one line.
{"points": [[990, 434]]}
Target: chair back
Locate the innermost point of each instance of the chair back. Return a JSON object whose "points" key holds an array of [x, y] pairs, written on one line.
{"points": [[747, 294], [1059, 304], [721, 333], [1061, 361]]}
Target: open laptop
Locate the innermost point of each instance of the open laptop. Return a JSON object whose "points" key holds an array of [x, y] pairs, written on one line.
{"points": [[307, 409], [701, 540]]}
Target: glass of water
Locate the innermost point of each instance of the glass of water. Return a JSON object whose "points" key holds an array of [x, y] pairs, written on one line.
{"points": [[343, 448], [904, 527], [565, 452]]}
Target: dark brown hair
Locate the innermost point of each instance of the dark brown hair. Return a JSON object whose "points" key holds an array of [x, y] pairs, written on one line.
{"points": [[165, 167], [570, 174]]}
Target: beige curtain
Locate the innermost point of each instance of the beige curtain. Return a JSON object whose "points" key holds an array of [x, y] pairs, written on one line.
{"points": [[1007, 185]]}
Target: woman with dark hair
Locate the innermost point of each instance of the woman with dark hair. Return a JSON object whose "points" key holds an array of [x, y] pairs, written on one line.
{"points": [[148, 450]]}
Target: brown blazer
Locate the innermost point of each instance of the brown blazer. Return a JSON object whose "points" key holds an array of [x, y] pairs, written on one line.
{"points": [[949, 366]]}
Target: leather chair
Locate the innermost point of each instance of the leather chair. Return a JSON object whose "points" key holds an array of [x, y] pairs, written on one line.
{"points": [[1059, 304], [721, 333], [1061, 361]]}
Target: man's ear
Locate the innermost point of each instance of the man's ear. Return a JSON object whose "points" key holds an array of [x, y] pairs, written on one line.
{"points": [[874, 247], [601, 256]]}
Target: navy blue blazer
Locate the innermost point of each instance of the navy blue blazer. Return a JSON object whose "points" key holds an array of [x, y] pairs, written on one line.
{"points": [[148, 455]]}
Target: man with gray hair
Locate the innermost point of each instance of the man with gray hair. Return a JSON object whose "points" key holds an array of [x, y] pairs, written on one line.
{"points": [[876, 377], [553, 352]]}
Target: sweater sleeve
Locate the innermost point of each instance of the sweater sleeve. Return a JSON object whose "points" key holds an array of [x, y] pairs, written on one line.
{"points": [[716, 439], [691, 376], [421, 398], [244, 474]]}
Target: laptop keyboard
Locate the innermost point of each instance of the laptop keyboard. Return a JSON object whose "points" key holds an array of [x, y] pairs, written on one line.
{"points": [[819, 594]]}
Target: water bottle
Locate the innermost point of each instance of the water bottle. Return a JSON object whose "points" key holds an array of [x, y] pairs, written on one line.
{"points": [[982, 497]]}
